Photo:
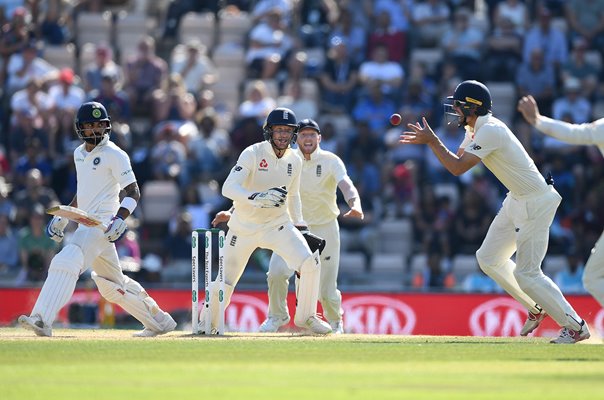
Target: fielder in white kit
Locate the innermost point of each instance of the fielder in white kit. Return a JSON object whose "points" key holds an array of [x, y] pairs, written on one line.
{"points": [[264, 186], [586, 134], [103, 170], [322, 173], [523, 222]]}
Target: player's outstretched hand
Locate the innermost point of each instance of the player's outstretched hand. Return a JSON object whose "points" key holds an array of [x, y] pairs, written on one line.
{"points": [[274, 197], [222, 216], [529, 109], [116, 229], [55, 228], [354, 213], [418, 134]]}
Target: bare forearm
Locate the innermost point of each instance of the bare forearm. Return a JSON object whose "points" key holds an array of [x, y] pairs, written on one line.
{"points": [[448, 159]]}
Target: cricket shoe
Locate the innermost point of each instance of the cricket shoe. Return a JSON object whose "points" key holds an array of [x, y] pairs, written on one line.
{"points": [[35, 323], [532, 322], [165, 320], [316, 325], [571, 336], [272, 324], [337, 327]]}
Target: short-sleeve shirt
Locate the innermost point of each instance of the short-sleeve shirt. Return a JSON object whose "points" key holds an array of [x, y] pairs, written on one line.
{"points": [[503, 154], [320, 177], [101, 174]]}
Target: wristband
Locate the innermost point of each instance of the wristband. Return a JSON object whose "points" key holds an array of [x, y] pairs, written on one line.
{"points": [[129, 204]]}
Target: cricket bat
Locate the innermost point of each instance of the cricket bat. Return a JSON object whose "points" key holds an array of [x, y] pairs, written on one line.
{"points": [[76, 215]]}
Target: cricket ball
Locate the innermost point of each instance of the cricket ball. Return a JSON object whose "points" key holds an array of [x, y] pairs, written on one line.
{"points": [[395, 119]]}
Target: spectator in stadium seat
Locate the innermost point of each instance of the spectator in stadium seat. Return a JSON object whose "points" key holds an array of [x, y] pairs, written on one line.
{"points": [[339, 78], [195, 67], [573, 103], [463, 45], [430, 21], [387, 34], [503, 51], [258, 102], [35, 247], [145, 72], [103, 65], [538, 79], [578, 66], [546, 37], [345, 30], [35, 193]]}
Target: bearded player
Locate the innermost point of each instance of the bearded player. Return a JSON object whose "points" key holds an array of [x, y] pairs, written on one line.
{"points": [[522, 224], [264, 186], [103, 174]]}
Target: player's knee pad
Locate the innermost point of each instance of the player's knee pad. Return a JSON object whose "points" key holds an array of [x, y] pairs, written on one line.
{"points": [[308, 289], [131, 297], [70, 259]]}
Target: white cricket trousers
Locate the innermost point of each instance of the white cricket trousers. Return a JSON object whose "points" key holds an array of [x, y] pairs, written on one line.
{"points": [[330, 297], [522, 227], [593, 276]]}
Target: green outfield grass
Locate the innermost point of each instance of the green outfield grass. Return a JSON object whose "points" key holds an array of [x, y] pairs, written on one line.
{"points": [[109, 364]]}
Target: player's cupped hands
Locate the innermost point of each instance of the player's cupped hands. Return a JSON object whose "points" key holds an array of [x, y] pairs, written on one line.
{"points": [[418, 134]]}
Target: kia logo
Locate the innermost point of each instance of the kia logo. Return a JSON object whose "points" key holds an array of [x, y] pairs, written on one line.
{"points": [[245, 313], [378, 314], [498, 317]]}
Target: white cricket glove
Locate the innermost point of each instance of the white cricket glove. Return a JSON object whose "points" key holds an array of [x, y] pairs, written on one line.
{"points": [[55, 228], [116, 229], [274, 197]]}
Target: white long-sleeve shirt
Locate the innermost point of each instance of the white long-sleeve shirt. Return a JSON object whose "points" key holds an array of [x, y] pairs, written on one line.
{"points": [[259, 169], [591, 133]]}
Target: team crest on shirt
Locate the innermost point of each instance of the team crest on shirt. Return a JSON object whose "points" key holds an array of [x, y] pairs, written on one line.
{"points": [[263, 166], [289, 169], [96, 162], [319, 170]]}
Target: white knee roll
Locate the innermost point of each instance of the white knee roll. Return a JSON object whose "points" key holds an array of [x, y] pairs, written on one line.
{"points": [[70, 259], [308, 289], [131, 297]]}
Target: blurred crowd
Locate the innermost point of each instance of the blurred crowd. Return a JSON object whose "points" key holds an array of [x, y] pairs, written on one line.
{"points": [[349, 64]]}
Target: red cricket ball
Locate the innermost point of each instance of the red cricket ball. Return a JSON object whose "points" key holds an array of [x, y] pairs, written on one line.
{"points": [[395, 119]]}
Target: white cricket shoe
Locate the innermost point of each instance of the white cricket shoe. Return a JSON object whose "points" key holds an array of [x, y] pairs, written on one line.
{"points": [[165, 320], [316, 325], [337, 327], [571, 336], [272, 324], [34, 323], [532, 322]]}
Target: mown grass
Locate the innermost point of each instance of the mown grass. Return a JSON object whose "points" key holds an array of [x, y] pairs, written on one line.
{"points": [[102, 364]]}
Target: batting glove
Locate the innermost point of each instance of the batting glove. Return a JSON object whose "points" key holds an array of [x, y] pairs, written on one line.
{"points": [[55, 228], [116, 229], [274, 197]]}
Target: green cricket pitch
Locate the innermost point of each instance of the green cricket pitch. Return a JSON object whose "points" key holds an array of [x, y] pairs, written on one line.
{"points": [[110, 364]]}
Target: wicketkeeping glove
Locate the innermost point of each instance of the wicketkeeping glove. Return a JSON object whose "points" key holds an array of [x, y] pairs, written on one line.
{"points": [[55, 228], [314, 242], [116, 229], [274, 197]]}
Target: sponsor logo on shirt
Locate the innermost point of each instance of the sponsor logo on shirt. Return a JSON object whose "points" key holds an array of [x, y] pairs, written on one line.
{"points": [[263, 166], [319, 170], [289, 169], [233, 241], [126, 172], [237, 168], [475, 147]]}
